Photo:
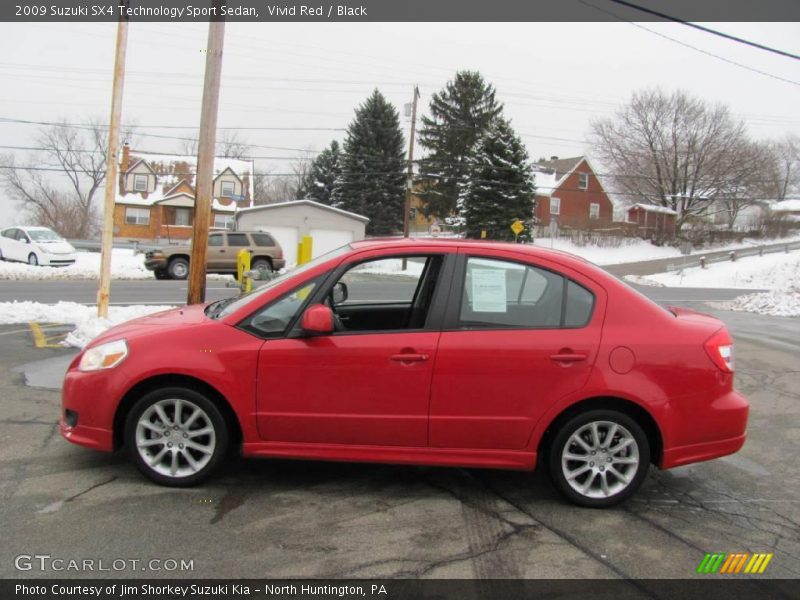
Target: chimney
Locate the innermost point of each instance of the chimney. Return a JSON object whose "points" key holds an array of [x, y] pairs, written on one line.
{"points": [[553, 158], [125, 161]]}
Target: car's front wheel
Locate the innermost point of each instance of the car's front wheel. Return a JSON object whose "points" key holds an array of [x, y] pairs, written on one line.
{"points": [[599, 458], [176, 436]]}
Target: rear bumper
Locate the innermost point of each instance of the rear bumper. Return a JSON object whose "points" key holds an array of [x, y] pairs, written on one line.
{"points": [[155, 264], [724, 433], [278, 263]]}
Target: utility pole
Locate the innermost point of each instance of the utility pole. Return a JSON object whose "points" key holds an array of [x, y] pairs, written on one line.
{"points": [[410, 181], [104, 287], [205, 163]]}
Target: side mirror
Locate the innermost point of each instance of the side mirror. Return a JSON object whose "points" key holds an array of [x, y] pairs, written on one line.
{"points": [[339, 293], [317, 320]]}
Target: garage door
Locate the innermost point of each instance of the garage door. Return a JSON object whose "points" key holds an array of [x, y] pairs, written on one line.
{"points": [[288, 238], [326, 240]]}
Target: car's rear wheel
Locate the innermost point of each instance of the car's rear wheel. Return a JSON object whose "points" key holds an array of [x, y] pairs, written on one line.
{"points": [[599, 458], [178, 268], [33, 260], [176, 436]]}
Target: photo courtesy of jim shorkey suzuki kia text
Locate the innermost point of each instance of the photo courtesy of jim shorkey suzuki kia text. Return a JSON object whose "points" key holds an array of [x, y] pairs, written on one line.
{"points": [[432, 298]]}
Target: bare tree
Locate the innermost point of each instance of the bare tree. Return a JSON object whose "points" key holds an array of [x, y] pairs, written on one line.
{"points": [[783, 175], [751, 188], [269, 188], [75, 153], [187, 145], [229, 144], [674, 150]]}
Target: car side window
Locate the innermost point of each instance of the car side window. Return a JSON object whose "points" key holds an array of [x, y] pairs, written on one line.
{"points": [[238, 240], [10, 234], [215, 240], [21, 236], [275, 318], [580, 303], [499, 293], [383, 281], [262, 239]]}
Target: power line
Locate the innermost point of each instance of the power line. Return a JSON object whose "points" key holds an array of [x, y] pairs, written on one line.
{"points": [[706, 29]]}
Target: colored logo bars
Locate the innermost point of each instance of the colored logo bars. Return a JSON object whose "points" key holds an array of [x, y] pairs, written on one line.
{"points": [[739, 562]]}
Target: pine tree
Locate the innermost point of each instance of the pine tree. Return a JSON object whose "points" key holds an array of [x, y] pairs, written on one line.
{"points": [[460, 115], [325, 169], [498, 186], [372, 181]]}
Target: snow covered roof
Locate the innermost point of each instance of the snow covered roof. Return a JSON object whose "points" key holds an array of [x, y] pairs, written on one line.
{"points": [[550, 174], [171, 169], [785, 206], [266, 207], [653, 208]]}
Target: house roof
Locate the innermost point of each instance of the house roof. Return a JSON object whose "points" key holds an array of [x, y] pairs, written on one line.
{"points": [[310, 203], [550, 174], [653, 208], [170, 169], [785, 206]]}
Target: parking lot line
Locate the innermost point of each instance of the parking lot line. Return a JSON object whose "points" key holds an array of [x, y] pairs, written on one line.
{"points": [[40, 340]]}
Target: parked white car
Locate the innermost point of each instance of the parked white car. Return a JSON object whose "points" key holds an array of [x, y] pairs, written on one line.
{"points": [[36, 246]]}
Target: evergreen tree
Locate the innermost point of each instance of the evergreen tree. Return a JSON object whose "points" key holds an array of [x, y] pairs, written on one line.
{"points": [[498, 186], [372, 181], [321, 178], [460, 115]]}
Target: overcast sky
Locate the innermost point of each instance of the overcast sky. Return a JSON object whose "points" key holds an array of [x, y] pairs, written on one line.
{"points": [[553, 78]]}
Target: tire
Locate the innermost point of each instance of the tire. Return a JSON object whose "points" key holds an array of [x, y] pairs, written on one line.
{"points": [[33, 260], [178, 268], [580, 475], [151, 423], [1, 255], [263, 265], [161, 274]]}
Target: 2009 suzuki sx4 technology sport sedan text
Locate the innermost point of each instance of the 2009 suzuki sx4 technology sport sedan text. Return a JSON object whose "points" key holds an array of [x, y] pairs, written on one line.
{"points": [[434, 352]]}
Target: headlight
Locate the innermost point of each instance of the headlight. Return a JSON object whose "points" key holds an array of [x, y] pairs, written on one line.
{"points": [[104, 356]]}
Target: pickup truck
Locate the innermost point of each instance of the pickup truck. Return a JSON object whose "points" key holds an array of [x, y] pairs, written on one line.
{"points": [[172, 262]]}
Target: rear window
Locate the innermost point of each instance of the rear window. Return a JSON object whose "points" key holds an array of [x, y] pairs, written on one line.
{"points": [[263, 239]]}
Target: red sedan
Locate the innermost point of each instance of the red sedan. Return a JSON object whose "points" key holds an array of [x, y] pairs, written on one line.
{"points": [[448, 353]]}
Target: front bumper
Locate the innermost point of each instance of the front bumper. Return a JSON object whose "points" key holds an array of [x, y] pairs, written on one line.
{"points": [[57, 260], [156, 263]]}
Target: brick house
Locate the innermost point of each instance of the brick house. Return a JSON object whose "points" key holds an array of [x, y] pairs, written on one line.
{"points": [[653, 222], [569, 192], [155, 194]]}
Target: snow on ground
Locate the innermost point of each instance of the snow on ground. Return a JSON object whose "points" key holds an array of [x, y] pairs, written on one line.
{"points": [[88, 324], [779, 273], [125, 264], [393, 266]]}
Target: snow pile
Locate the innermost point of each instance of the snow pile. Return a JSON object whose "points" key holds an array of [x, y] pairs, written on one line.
{"points": [[776, 304], [88, 324], [124, 265], [393, 266]]}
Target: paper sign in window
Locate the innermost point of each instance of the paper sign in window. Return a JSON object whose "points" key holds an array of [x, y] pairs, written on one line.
{"points": [[489, 290]]}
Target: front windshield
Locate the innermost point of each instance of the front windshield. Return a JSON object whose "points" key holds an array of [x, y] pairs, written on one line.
{"points": [[43, 235], [230, 306]]}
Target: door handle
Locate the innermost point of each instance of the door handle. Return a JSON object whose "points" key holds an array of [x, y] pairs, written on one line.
{"points": [[409, 357], [567, 357]]}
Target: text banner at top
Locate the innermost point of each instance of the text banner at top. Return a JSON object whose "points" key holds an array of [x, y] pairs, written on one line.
{"points": [[398, 10]]}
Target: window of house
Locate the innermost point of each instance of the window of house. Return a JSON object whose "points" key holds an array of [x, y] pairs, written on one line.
{"points": [[183, 216], [238, 239], [594, 210], [583, 180], [504, 294], [555, 206], [223, 221], [228, 189], [140, 183], [137, 216]]}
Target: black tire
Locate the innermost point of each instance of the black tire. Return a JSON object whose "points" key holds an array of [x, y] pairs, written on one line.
{"points": [[33, 260], [216, 443], [264, 265], [178, 268], [624, 429], [161, 274]]}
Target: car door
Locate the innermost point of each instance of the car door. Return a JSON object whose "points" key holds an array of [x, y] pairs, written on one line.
{"points": [[7, 240], [366, 386], [217, 251], [17, 249], [236, 243], [517, 337]]}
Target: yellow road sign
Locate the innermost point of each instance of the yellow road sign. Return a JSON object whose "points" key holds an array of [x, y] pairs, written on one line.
{"points": [[517, 227]]}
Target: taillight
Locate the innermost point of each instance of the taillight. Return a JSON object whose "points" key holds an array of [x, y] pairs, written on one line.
{"points": [[720, 349]]}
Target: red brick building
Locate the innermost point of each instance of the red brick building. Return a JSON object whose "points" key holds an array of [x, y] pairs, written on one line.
{"points": [[569, 192], [155, 194]]}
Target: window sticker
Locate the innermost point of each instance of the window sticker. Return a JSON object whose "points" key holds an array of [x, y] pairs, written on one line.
{"points": [[489, 290]]}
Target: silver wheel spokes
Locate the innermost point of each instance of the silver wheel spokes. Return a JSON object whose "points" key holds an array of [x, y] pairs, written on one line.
{"points": [[600, 459], [175, 437]]}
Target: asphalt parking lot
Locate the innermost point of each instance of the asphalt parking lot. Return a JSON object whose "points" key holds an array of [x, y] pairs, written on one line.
{"points": [[311, 519]]}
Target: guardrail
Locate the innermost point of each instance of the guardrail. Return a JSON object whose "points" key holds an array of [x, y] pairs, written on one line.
{"points": [[695, 260], [94, 245]]}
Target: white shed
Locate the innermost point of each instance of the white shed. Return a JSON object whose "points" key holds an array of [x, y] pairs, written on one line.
{"points": [[288, 222]]}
